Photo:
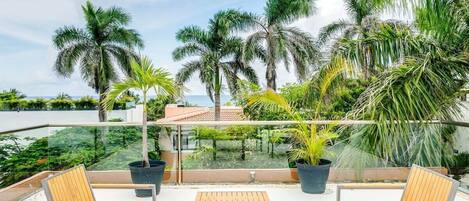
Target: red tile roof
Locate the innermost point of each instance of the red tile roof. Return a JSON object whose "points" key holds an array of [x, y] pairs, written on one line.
{"points": [[174, 113]]}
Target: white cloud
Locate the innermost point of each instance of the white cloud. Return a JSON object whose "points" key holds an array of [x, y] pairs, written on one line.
{"points": [[35, 22]]}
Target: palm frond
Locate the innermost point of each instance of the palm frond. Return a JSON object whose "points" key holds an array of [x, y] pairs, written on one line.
{"points": [[69, 35], [187, 50], [187, 70], [327, 32], [286, 11], [192, 34]]}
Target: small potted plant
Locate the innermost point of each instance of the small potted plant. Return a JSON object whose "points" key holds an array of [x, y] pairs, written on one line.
{"points": [[144, 77], [311, 141]]}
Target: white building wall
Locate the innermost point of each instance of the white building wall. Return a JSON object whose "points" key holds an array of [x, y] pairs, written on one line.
{"points": [[462, 133], [22, 119]]}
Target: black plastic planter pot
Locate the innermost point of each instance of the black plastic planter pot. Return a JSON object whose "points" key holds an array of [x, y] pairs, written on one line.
{"points": [[313, 179], [150, 175]]}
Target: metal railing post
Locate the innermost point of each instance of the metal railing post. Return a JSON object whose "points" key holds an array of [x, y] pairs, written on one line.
{"points": [[179, 155]]}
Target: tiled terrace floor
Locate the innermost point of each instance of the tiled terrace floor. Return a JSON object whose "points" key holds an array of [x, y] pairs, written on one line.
{"points": [[275, 193]]}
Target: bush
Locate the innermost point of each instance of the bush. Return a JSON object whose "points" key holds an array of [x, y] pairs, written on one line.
{"points": [[157, 105], [37, 104], [61, 104], [14, 105], [120, 105], [86, 103]]}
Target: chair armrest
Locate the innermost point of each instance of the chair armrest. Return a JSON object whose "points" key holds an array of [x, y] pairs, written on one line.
{"points": [[368, 186], [127, 186]]}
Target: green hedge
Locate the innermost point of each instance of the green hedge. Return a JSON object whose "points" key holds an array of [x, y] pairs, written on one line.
{"points": [[84, 103]]}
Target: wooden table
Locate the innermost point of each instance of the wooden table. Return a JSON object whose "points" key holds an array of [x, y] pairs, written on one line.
{"points": [[232, 196]]}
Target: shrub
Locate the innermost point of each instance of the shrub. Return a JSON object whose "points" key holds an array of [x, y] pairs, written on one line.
{"points": [[157, 105], [86, 103], [37, 104], [61, 104], [14, 105]]}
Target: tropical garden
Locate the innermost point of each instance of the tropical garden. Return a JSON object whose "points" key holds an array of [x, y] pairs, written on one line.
{"points": [[400, 75]]}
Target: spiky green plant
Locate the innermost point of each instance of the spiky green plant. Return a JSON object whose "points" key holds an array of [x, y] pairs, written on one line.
{"points": [[94, 48], [218, 55], [145, 78], [312, 139], [423, 87], [274, 40], [364, 19]]}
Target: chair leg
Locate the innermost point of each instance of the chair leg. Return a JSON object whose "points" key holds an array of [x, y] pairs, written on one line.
{"points": [[153, 190], [338, 192]]}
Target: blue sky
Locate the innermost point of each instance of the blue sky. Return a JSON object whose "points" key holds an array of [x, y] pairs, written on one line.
{"points": [[26, 28]]}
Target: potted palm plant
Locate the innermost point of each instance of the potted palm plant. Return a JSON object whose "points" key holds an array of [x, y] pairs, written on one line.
{"points": [[311, 141], [144, 77]]}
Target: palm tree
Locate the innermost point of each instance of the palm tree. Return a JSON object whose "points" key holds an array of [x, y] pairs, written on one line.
{"points": [[145, 78], [424, 87], [103, 44], [218, 53], [312, 140], [274, 40], [364, 17]]}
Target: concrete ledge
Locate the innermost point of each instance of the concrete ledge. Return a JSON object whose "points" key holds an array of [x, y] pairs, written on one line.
{"points": [[213, 176]]}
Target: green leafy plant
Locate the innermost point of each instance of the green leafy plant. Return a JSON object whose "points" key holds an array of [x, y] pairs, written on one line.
{"points": [[157, 105], [61, 104], [86, 103], [145, 78], [11, 94], [37, 104], [311, 140]]}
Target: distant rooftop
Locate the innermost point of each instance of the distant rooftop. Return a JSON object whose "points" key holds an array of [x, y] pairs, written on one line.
{"points": [[178, 113]]}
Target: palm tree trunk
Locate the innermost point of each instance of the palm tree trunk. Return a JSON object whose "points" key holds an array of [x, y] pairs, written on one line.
{"points": [[101, 109], [144, 132], [217, 105], [366, 63], [271, 74], [102, 90], [217, 94]]}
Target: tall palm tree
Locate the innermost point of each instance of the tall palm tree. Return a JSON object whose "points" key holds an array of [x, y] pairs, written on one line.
{"points": [[145, 78], [364, 16], [274, 40], [218, 55], [97, 49]]}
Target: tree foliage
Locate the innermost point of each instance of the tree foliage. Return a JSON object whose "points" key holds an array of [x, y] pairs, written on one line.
{"points": [[104, 44], [274, 40], [219, 55]]}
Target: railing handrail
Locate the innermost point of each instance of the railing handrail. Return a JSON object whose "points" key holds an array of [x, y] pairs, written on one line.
{"points": [[217, 123]]}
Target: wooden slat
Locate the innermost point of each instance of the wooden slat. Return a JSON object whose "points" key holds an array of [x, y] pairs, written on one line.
{"points": [[70, 185], [232, 196], [426, 185]]}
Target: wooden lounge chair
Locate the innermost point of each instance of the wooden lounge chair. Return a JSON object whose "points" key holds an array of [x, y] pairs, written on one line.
{"points": [[73, 185], [232, 196], [422, 185]]}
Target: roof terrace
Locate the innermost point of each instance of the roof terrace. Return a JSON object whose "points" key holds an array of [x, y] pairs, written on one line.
{"points": [[254, 160]]}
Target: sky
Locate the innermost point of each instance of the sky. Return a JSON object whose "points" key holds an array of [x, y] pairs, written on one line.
{"points": [[26, 28]]}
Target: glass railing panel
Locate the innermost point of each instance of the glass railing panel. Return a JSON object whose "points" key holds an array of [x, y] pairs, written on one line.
{"points": [[240, 153], [105, 151], [459, 167], [23, 154]]}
